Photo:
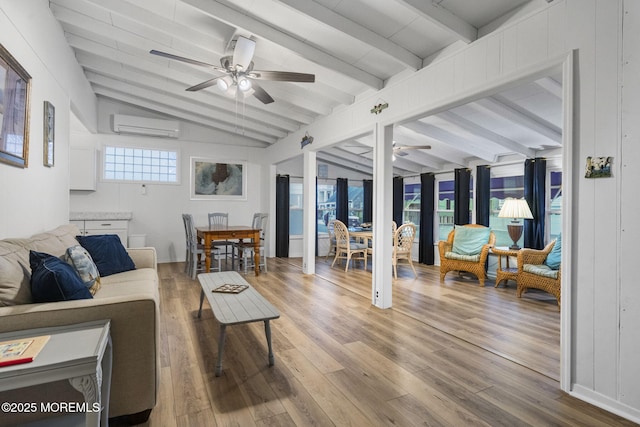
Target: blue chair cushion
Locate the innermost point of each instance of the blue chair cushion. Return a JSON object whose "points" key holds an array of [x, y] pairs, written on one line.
{"points": [[470, 240], [108, 253], [53, 280], [555, 256]]}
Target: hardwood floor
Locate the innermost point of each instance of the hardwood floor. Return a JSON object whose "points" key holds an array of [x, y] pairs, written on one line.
{"points": [[445, 354]]}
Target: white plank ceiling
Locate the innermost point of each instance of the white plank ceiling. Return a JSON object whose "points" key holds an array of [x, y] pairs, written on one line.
{"points": [[354, 47]]}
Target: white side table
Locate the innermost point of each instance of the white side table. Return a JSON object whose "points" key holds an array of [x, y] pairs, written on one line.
{"points": [[80, 353]]}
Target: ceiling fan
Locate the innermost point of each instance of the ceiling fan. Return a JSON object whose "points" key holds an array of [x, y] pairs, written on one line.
{"points": [[239, 73], [398, 150], [401, 150]]}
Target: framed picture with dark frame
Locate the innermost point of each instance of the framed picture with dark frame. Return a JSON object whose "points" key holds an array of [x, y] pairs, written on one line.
{"points": [[15, 87], [49, 133], [213, 179]]}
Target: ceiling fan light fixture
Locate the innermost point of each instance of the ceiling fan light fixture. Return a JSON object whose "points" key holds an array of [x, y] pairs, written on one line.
{"points": [[224, 83], [244, 84]]}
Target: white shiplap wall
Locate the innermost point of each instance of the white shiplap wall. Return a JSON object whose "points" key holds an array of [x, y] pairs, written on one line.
{"points": [[604, 304]]}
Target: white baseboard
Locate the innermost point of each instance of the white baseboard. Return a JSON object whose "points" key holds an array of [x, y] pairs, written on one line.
{"points": [[606, 403]]}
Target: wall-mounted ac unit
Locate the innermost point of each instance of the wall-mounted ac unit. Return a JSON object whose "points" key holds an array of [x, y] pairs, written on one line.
{"points": [[145, 126]]}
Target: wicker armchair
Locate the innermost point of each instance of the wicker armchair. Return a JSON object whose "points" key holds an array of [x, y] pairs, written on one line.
{"points": [[475, 265], [536, 279]]}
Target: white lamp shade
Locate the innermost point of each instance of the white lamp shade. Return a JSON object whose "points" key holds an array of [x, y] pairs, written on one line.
{"points": [[515, 208]]}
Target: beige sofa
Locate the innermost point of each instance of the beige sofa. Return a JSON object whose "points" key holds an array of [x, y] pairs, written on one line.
{"points": [[129, 299]]}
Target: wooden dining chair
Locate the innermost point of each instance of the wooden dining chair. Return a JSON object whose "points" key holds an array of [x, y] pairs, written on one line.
{"points": [[245, 250], [345, 248], [220, 219], [195, 250]]}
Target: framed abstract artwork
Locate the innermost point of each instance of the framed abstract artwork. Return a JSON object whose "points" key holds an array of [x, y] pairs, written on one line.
{"points": [[49, 133], [15, 86], [218, 180]]}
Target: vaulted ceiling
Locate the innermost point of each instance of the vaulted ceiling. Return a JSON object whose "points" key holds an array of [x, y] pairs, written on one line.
{"points": [[354, 48]]}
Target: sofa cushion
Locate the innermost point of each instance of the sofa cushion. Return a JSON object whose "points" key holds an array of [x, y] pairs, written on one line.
{"points": [[52, 279], [108, 253], [555, 256], [540, 270], [470, 240], [15, 275], [78, 257]]}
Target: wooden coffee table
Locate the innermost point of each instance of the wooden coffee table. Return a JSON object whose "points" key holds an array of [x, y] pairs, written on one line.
{"points": [[233, 309]]}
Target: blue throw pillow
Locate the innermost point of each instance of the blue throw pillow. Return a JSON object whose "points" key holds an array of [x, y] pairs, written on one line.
{"points": [[469, 240], [108, 253], [555, 256], [52, 279]]}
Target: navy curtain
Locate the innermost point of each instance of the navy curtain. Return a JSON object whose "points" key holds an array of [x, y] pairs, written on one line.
{"points": [[427, 208], [282, 216], [483, 189], [462, 179], [535, 173], [398, 199], [367, 209], [342, 200]]}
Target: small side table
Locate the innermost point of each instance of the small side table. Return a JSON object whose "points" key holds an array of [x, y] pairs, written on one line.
{"points": [[507, 273], [79, 353]]}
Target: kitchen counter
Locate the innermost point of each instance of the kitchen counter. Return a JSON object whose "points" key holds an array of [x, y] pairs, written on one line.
{"points": [[100, 216]]}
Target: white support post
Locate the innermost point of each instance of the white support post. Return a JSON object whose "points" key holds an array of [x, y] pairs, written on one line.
{"points": [[310, 221], [271, 185], [382, 216]]}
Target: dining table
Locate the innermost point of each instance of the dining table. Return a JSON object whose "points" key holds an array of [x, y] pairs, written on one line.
{"points": [[362, 234], [211, 233]]}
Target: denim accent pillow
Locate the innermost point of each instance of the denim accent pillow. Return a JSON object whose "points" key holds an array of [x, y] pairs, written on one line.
{"points": [[52, 279], [108, 253], [555, 256], [78, 257], [469, 240]]}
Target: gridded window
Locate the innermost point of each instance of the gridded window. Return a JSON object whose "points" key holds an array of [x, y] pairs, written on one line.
{"points": [[502, 188], [296, 209], [555, 205], [411, 211], [446, 201], [140, 164]]}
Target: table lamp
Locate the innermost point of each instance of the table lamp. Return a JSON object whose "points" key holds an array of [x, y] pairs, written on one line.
{"points": [[516, 209]]}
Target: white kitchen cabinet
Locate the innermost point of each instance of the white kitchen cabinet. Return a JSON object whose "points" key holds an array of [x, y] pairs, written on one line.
{"points": [[82, 169], [96, 227]]}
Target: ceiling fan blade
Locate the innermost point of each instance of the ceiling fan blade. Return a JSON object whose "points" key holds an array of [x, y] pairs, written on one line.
{"points": [[243, 52], [261, 94], [412, 147], [283, 76], [203, 85], [187, 60]]}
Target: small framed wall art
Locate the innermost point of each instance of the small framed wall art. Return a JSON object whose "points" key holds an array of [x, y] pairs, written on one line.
{"points": [[598, 167], [49, 133]]}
